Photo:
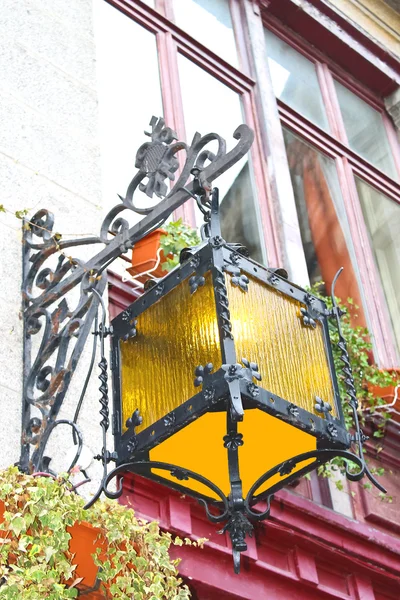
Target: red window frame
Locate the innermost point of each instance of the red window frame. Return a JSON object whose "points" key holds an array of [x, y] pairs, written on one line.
{"points": [[171, 40], [348, 163]]}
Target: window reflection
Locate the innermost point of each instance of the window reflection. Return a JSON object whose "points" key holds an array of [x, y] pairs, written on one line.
{"points": [[382, 217], [210, 106], [209, 22], [294, 80], [322, 218], [365, 130], [124, 112]]}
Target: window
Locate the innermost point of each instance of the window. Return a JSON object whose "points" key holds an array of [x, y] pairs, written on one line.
{"points": [[341, 154], [147, 67]]}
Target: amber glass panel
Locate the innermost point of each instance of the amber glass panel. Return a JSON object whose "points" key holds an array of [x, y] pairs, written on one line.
{"points": [[174, 335], [199, 447], [291, 357]]}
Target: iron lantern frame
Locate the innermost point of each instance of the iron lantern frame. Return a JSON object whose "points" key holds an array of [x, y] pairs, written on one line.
{"points": [[233, 388]]}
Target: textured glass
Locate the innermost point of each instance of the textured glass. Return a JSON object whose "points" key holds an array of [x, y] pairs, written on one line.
{"points": [[199, 447], [268, 330], [365, 130], [209, 22], [382, 217], [295, 80], [324, 227], [239, 213], [174, 335]]}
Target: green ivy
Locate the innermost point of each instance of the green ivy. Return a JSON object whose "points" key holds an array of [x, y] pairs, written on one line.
{"points": [[179, 236], [365, 372], [35, 561]]}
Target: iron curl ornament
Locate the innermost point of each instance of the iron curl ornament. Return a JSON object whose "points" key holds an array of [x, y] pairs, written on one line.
{"points": [[234, 403], [51, 274]]}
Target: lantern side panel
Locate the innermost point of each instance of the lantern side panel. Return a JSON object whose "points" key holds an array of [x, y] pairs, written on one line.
{"points": [[174, 336], [267, 442], [268, 329]]}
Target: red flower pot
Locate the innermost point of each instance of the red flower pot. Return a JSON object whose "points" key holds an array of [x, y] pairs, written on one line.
{"points": [[144, 257]]}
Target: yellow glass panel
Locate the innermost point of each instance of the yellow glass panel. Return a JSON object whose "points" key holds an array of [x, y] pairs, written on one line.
{"points": [[174, 336], [292, 359], [199, 447]]}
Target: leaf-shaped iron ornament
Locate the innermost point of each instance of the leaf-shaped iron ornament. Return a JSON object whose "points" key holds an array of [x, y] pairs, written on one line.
{"points": [[48, 306]]}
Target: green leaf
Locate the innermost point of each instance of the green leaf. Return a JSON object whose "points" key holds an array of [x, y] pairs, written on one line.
{"points": [[17, 525]]}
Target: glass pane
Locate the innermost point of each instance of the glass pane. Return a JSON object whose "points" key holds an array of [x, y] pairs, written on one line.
{"points": [[124, 114], [223, 113], [294, 80], [382, 217], [365, 130], [179, 331], [292, 358], [322, 218], [209, 22]]}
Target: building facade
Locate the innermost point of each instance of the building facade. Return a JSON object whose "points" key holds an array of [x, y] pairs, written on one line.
{"points": [[319, 82]]}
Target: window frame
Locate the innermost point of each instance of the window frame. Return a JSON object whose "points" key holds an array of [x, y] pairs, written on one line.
{"points": [[171, 40], [349, 164]]}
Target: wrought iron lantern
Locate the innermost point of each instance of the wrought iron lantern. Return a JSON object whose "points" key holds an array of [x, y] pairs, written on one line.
{"points": [[224, 384]]}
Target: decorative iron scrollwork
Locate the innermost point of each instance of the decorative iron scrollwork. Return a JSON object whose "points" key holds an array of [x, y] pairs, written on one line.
{"points": [[237, 278], [202, 373], [134, 421], [222, 299], [195, 282], [324, 408], [308, 320], [238, 527], [233, 440], [51, 274]]}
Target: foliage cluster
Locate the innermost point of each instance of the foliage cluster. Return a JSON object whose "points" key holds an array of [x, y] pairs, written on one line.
{"points": [[365, 373], [35, 561], [179, 236]]}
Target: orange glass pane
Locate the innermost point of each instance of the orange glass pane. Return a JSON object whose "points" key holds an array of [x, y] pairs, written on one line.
{"points": [[174, 336], [200, 448], [292, 359]]}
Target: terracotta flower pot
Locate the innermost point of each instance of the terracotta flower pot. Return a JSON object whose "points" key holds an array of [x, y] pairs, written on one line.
{"points": [[85, 539], [387, 394], [144, 257], [83, 543]]}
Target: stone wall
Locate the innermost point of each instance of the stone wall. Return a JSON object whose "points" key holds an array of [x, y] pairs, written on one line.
{"points": [[49, 158]]}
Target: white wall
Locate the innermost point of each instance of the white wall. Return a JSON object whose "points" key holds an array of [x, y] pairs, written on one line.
{"points": [[49, 157]]}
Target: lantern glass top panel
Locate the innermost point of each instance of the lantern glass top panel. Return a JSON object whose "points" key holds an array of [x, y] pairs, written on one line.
{"points": [[206, 314]]}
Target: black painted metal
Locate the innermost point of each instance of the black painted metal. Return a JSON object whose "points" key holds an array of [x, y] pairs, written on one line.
{"points": [[233, 388], [46, 285]]}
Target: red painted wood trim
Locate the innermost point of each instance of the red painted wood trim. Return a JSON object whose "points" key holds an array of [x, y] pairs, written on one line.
{"points": [[394, 141], [311, 536], [120, 294], [334, 148], [193, 50], [175, 107], [263, 191], [378, 312], [350, 51], [241, 36]]}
